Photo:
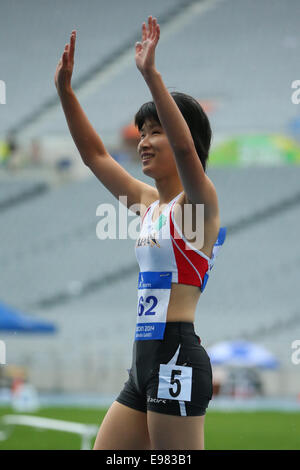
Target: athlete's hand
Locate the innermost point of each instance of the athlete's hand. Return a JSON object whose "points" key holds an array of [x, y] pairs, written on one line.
{"points": [[64, 69], [145, 50]]}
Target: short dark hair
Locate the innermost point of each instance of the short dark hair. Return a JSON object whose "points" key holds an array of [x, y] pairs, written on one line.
{"points": [[194, 116]]}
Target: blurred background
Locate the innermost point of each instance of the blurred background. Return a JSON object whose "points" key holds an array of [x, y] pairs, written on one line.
{"points": [[68, 299]]}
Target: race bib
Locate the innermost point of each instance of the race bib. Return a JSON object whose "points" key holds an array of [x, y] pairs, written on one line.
{"points": [[175, 382], [154, 290]]}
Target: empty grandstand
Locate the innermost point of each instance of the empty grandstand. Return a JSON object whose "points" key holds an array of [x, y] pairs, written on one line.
{"points": [[242, 58]]}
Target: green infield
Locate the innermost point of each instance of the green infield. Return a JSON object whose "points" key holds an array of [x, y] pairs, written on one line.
{"points": [[223, 430]]}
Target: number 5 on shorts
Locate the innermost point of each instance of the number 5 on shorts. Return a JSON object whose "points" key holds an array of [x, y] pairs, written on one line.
{"points": [[175, 382]]}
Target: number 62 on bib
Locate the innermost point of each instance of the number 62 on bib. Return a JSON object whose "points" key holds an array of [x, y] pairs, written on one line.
{"points": [[154, 290]]}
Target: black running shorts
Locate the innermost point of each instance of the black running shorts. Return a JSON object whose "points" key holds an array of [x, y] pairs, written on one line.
{"points": [[171, 376]]}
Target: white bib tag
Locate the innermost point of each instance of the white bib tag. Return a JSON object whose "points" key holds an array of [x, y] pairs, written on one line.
{"points": [[175, 382]]}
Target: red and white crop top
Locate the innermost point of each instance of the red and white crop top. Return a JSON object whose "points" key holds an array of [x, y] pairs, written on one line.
{"points": [[161, 246]]}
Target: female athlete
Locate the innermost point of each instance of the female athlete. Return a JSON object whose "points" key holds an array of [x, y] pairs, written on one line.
{"points": [[163, 403]]}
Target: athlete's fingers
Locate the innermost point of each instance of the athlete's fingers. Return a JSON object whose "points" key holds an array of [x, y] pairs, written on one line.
{"points": [[64, 59], [65, 56], [72, 45], [157, 32], [144, 32], [138, 47], [150, 26], [154, 23]]}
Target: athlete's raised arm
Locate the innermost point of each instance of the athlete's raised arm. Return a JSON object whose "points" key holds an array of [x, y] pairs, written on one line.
{"points": [[90, 146], [198, 188]]}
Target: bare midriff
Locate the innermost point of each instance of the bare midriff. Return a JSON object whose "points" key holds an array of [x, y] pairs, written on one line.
{"points": [[183, 302]]}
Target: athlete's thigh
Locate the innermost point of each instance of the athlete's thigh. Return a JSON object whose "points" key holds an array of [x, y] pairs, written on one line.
{"points": [[175, 432], [123, 428]]}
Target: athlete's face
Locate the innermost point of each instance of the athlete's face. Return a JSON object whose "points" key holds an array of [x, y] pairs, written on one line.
{"points": [[155, 151]]}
